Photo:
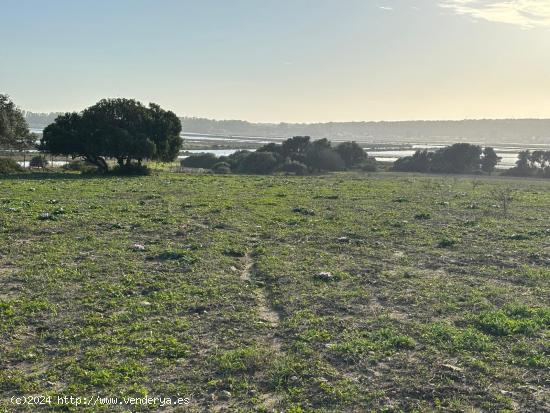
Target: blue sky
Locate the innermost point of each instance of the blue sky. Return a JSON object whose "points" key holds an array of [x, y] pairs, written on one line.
{"points": [[277, 60]]}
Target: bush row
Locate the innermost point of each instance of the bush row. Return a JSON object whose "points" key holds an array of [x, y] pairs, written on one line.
{"points": [[298, 156]]}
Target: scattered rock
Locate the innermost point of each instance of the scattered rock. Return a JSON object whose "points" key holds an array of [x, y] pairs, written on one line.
{"points": [[46, 216], [224, 394], [446, 243], [324, 276], [401, 200], [343, 239], [518, 237], [453, 368], [303, 211], [138, 247], [234, 252]]}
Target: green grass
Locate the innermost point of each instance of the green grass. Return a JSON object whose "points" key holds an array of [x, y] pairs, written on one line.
{"points": [[208, 287]]}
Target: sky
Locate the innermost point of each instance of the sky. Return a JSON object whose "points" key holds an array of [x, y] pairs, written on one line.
{"points": [[282, 60]]}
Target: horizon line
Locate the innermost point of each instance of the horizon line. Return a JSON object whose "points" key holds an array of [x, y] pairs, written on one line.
{"points": [[25, 112]]}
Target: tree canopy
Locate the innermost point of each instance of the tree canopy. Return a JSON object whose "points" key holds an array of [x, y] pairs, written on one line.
{"points": [[535, 163], [457, 159], [14, 132], [122, 129]]}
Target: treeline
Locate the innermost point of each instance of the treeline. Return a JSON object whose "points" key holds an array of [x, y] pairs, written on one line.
{"points": [[298, 155], [460, 158], [464, 158], [531, 164]]}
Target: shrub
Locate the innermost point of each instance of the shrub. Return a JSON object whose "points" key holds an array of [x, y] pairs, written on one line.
{"points": [[520, 172], [446, 243], [258, 163], [369, 165], [9, 166], [351, 153], [81, 166], [221, 168], [457, 158], [293, 167], [419, 162], [235, 158], [200, 160], [131, 170], [324, 159], [38, 162], [274, 148], [489, 160]]}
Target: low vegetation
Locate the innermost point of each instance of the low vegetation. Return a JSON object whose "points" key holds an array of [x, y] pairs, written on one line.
{"points": [[9, 166], [531, 164], [298, 155], [38, 161], [460, 158], [276, 293]]}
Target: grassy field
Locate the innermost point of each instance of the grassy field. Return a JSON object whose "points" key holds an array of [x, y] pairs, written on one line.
{"points": [[343, 292]]}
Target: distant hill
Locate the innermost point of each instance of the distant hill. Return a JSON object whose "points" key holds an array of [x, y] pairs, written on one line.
{"points": [[523, 131], [40, 120]]}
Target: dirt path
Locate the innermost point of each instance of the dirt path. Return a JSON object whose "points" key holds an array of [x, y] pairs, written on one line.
{"points": [[266, 312], [270, 317]]}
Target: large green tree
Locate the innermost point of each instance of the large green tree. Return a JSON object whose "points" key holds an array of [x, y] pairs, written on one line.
{"points": [[121, 129], [14, 131]]}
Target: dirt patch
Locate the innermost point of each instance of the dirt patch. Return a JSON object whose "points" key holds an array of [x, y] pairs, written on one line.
{"points": [[268, 315], [266, 312], [9, 288]]}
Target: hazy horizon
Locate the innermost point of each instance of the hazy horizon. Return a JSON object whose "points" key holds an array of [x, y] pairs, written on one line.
{"points": [[280, 61], [315, 122]]}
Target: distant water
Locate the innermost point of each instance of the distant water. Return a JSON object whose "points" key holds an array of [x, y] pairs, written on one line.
{"points": [[25, 164], [217, 152], [508, 154]]}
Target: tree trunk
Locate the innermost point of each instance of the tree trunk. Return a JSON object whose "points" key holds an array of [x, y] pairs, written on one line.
{"points": [[99, 162], [103, 164]]}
